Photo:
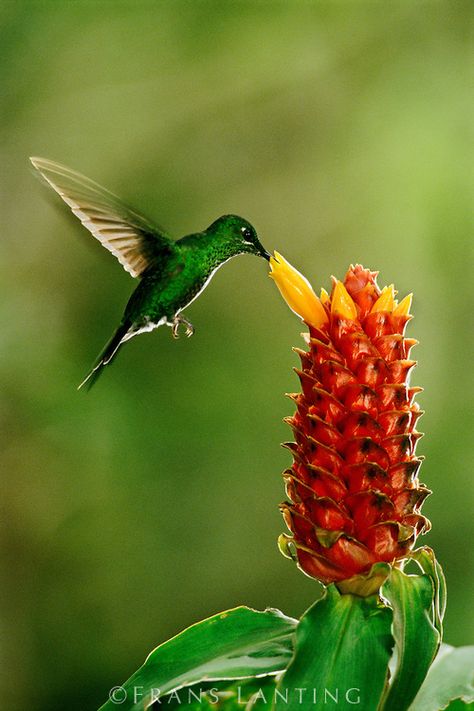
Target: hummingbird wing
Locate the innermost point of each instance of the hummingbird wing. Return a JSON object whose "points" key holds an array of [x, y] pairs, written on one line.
{"points": [[135, 241]]}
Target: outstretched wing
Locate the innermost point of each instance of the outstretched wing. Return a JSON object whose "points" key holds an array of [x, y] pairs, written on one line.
{"points": [[127, 235]]}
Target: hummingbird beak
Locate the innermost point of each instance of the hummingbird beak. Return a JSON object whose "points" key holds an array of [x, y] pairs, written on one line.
{"points": [[263, 252]]}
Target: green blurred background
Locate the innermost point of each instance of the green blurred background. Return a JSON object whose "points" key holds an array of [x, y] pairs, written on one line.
{"points": [[341, 131]]}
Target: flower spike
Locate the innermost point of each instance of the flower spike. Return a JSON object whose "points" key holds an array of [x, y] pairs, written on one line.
{"points": [[354, 496]]}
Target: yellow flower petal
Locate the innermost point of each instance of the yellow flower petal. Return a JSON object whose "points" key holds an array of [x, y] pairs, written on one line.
{"points": [[297, 292], [324, 296], [403, 308], [386, 300], [342, 302]]}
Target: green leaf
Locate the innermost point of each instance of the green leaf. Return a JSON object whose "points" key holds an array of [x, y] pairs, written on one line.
{"points": [[426, 559], [343, 646], [458, 705], [450, 677], [223, 695], [235, 644], [416, 637]]}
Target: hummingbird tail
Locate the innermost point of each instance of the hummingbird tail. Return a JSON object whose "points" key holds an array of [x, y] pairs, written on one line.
{"points": [[106, 356]]}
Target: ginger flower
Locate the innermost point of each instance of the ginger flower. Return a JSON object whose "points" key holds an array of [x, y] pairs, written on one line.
{"points": [[353, 488]]}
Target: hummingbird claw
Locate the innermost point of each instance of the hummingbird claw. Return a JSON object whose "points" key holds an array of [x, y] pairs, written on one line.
{"points": [[177, 322]]}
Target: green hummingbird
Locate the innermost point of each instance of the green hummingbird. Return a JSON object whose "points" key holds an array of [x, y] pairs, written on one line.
{"points": [[172, 273]]}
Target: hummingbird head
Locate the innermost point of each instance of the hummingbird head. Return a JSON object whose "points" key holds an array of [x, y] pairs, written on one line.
{"points": [[239, 235]]}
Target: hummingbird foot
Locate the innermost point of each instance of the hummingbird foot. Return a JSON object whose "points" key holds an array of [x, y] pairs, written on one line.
{"points": [[177, 322]]}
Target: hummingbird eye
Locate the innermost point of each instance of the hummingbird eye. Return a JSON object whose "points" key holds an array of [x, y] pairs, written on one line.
{"points": [[246, 233]]}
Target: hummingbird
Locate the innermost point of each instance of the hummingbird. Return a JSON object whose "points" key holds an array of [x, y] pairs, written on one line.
{"points": [[172, 274]]}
